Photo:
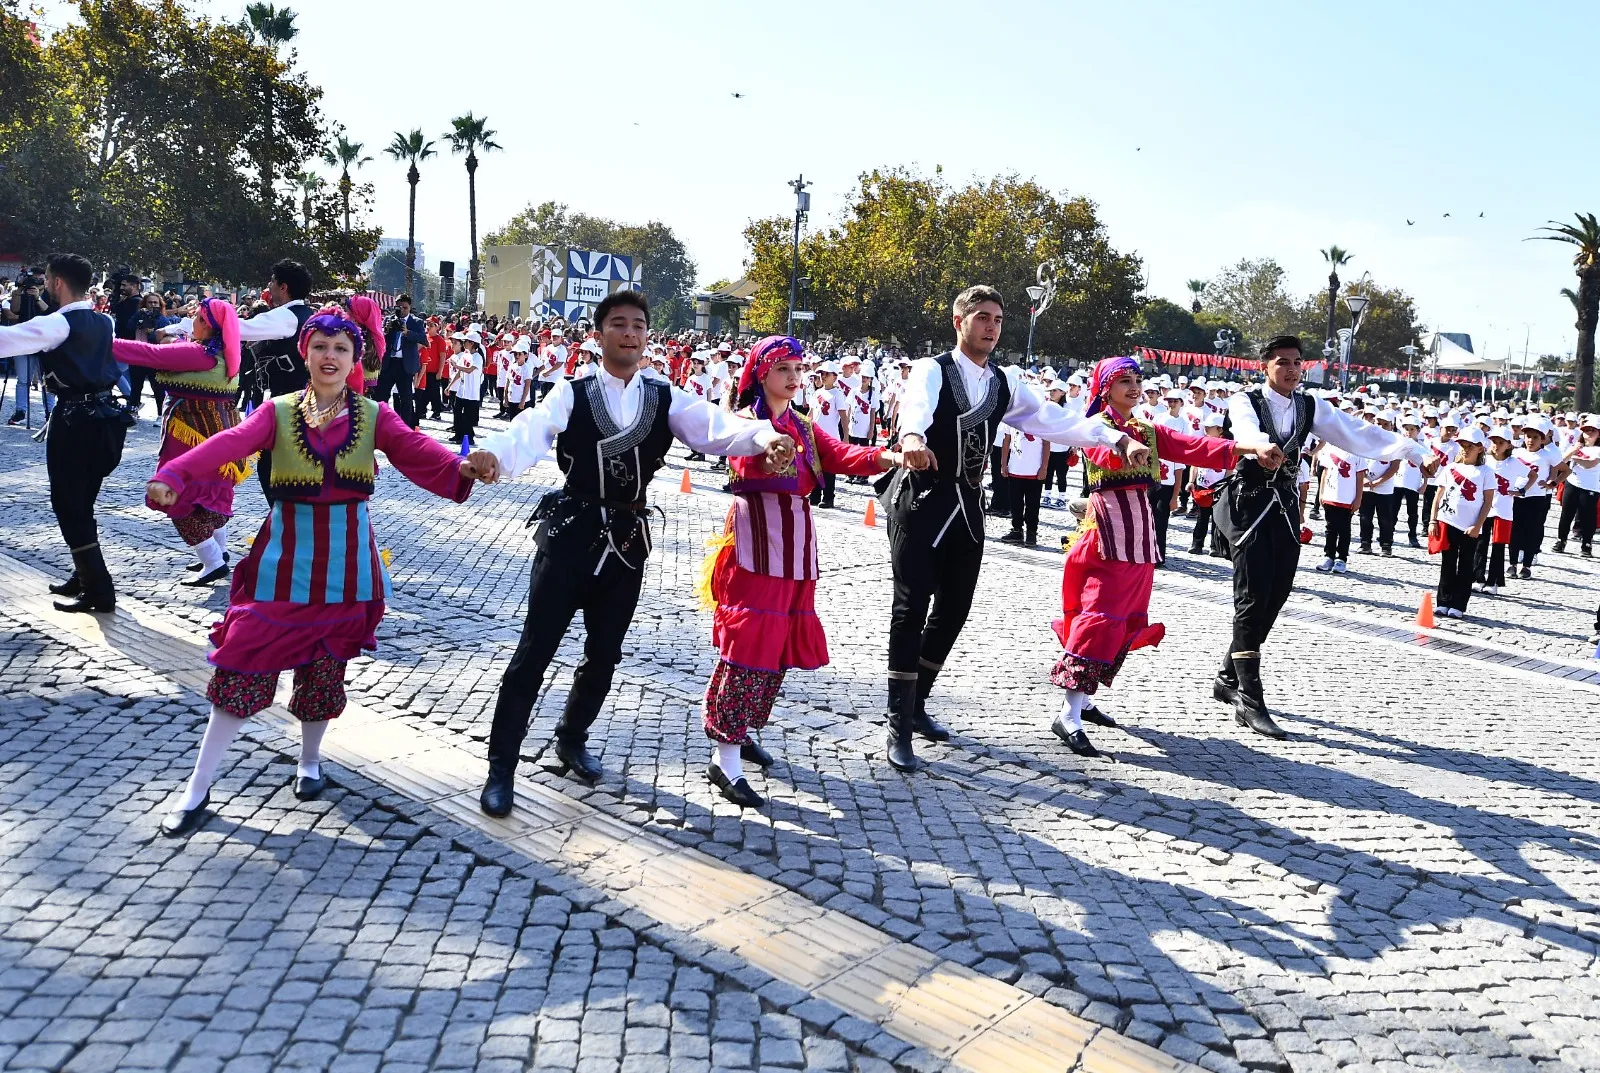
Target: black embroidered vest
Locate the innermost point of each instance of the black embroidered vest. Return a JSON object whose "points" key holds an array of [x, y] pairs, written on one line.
{"points": [[285, 369], [603, 461], [1250, 474], [82, 364]]}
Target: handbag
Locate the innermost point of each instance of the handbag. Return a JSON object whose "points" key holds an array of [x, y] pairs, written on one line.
{"points": [[1438, 539], [1501, 532], [1205, 497]]}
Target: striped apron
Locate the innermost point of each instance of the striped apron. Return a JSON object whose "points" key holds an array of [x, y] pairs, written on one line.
{"points": [[314, 553]]}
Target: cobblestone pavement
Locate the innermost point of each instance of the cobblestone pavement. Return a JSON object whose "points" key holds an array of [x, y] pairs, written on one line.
{"points": [[1409, 880]]}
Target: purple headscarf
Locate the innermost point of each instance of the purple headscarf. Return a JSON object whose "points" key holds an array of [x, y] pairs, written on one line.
{"points": [[1106, 371]]}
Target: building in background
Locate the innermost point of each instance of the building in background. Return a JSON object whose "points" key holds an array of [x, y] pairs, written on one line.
{"points": [[524, 280], [396, 246]]}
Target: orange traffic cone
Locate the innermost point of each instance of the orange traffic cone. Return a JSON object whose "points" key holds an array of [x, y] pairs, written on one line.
{"points": [[1425, 612], [871, 517], [684, 486]]}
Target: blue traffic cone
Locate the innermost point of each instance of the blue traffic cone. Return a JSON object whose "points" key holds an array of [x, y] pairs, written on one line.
{"points": [[466, 446], [249, 407]]}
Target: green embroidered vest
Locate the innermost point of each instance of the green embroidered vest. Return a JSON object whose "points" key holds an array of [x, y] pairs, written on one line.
{"points": [[1128, 477], [212, 383], [299, 472]]}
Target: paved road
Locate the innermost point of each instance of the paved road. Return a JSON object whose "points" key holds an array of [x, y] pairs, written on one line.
{"points": [[1410, 879]]}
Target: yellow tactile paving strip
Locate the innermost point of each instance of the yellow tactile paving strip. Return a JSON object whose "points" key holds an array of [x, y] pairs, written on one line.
{"points": [[975, 1021]]}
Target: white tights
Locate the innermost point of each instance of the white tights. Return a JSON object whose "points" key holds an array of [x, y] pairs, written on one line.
{"points": [[221, 732]]}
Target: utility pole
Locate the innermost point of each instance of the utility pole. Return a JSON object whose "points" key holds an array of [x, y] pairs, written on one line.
{"points": [[802, 205]]}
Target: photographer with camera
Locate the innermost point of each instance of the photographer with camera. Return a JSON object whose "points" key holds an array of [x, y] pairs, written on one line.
{"points": [[26, 303], [404, 335]]}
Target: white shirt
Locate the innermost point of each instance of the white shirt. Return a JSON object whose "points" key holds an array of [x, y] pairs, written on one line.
{"points": [[1507, 473], [1461, 494], [276, 323], [555, 362], [517, 382], [1029, 411], [699, 424], [858, 404], [1341, 476], [41, 333], [827, 405], [700, 385], [719, 379], [1332, 426], [1027, 455], [1536, 468], [467, 369], [1585, 477]]}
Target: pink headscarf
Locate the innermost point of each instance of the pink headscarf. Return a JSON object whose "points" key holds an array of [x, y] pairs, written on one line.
{"points": [[224, 321], [763, 356], [365, 312], [1106, 370]]}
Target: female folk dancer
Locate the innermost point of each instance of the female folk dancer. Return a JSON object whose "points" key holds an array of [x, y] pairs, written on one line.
{"points": [[1111, 563], [762, 574], [202, 378], [311, 593]]}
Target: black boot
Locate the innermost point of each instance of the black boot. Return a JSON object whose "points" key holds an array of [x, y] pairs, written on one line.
{"points": [[590, 684], [70, 587], [924, 723], [576, 758], [497, 790], [1225, 690], [1250, 709], [97, 593], [902, 718]]}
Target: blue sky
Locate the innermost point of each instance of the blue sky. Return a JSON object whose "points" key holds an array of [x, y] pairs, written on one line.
{"points": [[1206, 132]]}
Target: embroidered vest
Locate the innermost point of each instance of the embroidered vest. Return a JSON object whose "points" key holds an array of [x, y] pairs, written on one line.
{"points": [[212, 383], [300, 472], [962, 429], [1250, 474], [788, 480], [1146, 476], [603, 461]]}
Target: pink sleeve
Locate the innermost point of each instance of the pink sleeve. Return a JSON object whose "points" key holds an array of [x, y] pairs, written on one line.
{"points": [[168, 357], [1187, 449], [424, 461], [255, 433], [852, 460]]}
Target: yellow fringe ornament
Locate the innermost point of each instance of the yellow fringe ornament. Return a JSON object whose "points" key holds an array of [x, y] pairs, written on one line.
{"points": [[708, 569], [192, 437]]}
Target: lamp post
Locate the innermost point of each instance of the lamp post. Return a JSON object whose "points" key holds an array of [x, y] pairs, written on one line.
{"points": [[1224, 343], [1410, 351], [1040, 295], [1356, 303], [1035, 295], [802, 205]]}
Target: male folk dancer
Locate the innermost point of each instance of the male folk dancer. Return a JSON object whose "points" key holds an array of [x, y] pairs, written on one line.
{"points": [[1258, 512], [611, 432], [950, 408], [83, 441]]}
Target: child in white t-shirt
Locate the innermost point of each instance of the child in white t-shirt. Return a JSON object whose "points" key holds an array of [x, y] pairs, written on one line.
{"points": [[1506, 470], [1464, 503], [1202, 490], [1342, 475]]}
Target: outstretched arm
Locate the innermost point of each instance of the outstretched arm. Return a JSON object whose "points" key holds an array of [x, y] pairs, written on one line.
{"points": [[169, 357], [423, 460]]}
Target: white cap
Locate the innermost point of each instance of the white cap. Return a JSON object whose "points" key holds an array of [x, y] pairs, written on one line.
{"points": [[590, 347], [725, 348], [1213, 419], [1409, 418], [868, 369], [1449, 421], [521, 346], [1500, 432], [829, 367], [1541, 423], [1077, 378], [1472, 434], [1589, 421], [1430, 411], [1173, 394], [1389, 416]]}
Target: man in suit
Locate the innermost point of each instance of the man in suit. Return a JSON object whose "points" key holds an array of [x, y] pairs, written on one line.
{"points": [[402, 359]]}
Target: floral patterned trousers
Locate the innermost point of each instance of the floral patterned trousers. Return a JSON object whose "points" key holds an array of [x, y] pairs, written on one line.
{"points": [[198, 525], [739, 700], [318, 690]]}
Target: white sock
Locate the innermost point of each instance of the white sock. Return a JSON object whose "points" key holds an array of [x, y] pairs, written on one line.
{"points": [[210, 555], [1072, 709], [311, 748], [727, 758], [221, 538], [220, 732]]}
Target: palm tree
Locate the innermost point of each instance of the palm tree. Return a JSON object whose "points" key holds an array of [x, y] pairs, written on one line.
{"points": [[309, 184], [271, 26], [467, 135], [412, 148], [1196, 288], [344, 155], [1585, 234], [1336, 258]]}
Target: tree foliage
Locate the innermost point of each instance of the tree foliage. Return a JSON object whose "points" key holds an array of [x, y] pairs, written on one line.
{"points": [[908, 243], [1388, 323], [138, 122], [669, 271], [1251, 297]]}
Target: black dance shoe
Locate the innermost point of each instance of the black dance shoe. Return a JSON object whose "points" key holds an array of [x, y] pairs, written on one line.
{"points": [[205, 579], [1076, 740], [1013, 537], [195, 568], [87, 605], [752, 752], [576, 760], [736, 790], [70, 587], [1259, 721], [930, 728], [180, 822], [1094, 715], [310, 789], [497, 791]]}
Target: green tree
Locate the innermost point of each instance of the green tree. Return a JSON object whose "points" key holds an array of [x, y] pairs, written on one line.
{"points": [[667, 273], [1585, 235], [1166, 325], [907, 243], [1197, 287], [1335, 258], [1388, 323], [1251, 296], [345, 154], [468, 134], [270, 26], [411, 148]]}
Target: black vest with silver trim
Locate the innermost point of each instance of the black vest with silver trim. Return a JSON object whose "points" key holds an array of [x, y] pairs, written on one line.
{"points": [[604, 461]]}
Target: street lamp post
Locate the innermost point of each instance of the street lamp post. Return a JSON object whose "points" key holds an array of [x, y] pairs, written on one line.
{"points": [[1040, 295], [1410, 351], [1035, 295], [802, 205], [1224, 344], [1357, 304]]}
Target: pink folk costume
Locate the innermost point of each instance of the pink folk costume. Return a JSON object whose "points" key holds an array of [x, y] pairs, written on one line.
{"points": [[1111, 562], [201, 380], [764, 572], [364, 373], [311, 593]]}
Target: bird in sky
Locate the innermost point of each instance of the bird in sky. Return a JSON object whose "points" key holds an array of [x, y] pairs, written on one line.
{"points": [[738, 96], [1480, 215], [1447, 216], [1411, 223]]}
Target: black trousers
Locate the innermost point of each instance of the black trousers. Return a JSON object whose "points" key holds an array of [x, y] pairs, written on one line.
{"points": [[79, 454], [1056, 476], [1429, 491], [466, 422], [1263, 576], [1181, 479], [1408, 498], [1202, 523], [393, 379], [947, 575], [431, 399], [1528, 515], [1336, 543], [1456, 567], [138, 376], [1024, 494], [1161, 506], [1577, 511], [563, 582], [823, 493], [1490, 564], [999, 483], [1384, 509]]}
